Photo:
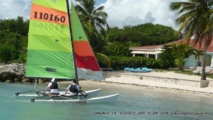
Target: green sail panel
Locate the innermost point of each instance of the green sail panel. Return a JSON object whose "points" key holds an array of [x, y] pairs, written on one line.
{"points": [[87, 65], [77, 29], [49, 52]]}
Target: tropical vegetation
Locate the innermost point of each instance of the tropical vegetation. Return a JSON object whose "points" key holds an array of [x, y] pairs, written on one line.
{"points": [[196, 19], [119, 40], [13, 40], [174, 55]]}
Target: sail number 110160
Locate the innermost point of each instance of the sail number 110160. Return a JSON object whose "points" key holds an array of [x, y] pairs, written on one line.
{"points": [[49, 17]]}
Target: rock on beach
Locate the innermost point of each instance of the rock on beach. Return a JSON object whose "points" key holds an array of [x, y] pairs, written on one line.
{"points": [[12, 72]]}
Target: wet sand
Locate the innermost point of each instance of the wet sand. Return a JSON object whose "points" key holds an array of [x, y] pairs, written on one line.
{"points": [[163, 81]]}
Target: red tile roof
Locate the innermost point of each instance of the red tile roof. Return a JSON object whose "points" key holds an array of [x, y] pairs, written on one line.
{"points": [[184, 41]]}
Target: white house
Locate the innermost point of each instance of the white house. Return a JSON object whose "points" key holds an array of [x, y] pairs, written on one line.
{"points": [[154, 51]]}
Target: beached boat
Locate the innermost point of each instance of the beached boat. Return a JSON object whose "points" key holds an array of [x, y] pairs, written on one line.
{"points": [[143, 69], [58, 48]]}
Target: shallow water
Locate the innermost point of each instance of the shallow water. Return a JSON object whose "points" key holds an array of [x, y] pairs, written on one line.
{"points": [[138, 104]]}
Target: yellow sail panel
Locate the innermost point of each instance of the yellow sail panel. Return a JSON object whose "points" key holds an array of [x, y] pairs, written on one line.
{"points": [[54, 4]]}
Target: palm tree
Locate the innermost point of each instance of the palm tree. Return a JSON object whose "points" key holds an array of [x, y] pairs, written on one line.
{"points": [[197, 55], [196, 18], [180, 52], [93, 19]]}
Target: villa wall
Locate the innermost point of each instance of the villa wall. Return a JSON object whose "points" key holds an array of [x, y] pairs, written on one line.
{"points": [[191, 61]]}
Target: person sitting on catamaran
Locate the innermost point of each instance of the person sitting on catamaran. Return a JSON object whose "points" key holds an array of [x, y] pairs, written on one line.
{"points": [[53, 87], [75, 89]]}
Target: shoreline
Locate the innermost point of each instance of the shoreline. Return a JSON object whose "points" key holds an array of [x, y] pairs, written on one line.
{"points": [[160, 81], [147, 87]]}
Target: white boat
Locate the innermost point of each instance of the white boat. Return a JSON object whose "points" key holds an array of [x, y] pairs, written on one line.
{"points": [[36, 93], [59, 48], [59, 99]]}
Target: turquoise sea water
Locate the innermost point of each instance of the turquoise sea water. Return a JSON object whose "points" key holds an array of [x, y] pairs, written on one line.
{"points": [[133, 104]]}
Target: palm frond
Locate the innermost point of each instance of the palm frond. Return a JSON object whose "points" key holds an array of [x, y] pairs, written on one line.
{"points": [[104, 59]]}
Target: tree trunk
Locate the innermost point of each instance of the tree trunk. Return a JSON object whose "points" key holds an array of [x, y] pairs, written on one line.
{"points": [[203, 75]]}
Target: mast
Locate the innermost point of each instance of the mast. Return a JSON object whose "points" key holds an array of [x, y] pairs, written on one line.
{"points": [[68, 12]]}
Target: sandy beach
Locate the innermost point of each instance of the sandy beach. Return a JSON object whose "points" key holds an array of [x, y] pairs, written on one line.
{"points": [[164, 81]]}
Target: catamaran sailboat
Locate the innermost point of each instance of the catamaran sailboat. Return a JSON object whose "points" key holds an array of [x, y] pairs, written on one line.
{"points": [[58, 48]]}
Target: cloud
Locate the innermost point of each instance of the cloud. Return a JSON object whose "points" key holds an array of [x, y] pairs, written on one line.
{"points": [[120, 12], [10, 9], [133, 12]]}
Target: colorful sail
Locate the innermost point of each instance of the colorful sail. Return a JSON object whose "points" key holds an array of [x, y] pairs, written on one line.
{"points": [[49, 49], [87, 64]]}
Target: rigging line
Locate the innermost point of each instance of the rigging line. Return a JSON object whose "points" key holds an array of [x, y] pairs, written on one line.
{"points": [[35, 84]]}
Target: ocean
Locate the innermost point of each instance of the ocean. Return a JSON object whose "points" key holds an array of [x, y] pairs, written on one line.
{"points": [[137, 103]]}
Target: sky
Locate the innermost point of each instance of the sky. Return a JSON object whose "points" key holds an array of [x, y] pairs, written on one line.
{"points": [[120, 12]]}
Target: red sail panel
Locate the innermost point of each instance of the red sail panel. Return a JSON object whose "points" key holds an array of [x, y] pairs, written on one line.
{"points": [[84, 56]]}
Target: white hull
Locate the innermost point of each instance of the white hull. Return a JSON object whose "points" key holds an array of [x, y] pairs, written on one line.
{"points": [[108, 98], [91, 93]]}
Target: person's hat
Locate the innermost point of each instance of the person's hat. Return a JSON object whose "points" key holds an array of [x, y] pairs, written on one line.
{"points": [[74, 81], [53, 80]]}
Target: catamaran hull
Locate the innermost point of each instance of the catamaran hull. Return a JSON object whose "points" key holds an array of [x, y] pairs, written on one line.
{"points": [[91, 93], [108, 98]]}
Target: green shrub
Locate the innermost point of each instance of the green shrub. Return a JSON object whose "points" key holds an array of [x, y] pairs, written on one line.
{"points": [[120, 62]]}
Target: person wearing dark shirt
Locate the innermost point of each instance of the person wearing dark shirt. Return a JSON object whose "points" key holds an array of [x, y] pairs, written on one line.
{"points": [[75, 89]]}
